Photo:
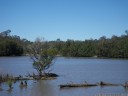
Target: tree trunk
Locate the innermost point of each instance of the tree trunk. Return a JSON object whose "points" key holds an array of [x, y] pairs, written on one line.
{"points": [[40, 74]]}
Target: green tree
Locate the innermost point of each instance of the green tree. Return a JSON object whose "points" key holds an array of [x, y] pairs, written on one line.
{"points": [[10, 45], [42, 56]]}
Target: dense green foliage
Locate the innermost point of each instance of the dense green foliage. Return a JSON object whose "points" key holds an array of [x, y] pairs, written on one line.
{"points": [[41, 55], [114, 47], [12, 45]]}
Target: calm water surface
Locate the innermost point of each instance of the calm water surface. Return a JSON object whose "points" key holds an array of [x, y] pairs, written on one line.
{"points": [[76, 70]]}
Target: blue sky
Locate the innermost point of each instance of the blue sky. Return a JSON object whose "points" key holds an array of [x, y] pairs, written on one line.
{"points": [[64, 19]]}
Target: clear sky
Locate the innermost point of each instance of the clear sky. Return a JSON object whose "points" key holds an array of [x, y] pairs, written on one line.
{"points": [[64, 19]]}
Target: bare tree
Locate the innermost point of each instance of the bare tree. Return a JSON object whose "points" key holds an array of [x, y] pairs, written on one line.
{"points": [[42, 60]]}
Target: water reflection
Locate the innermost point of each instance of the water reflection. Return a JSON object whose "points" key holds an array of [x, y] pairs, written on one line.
{"points": [[44, 88], [126, 90], [76, 70], [10, 90]]}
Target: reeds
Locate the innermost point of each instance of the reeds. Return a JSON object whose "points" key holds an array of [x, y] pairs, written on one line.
{"points": [[5, 77]]}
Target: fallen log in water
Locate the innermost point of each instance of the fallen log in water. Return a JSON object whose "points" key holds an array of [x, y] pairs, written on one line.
{"points": [[23, 78], [89, 85], [125, 85], [35, 78], [48, 78], [77, 85], [107, 84]]}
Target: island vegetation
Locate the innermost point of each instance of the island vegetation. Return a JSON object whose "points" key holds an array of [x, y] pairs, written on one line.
{"points": [[42, 58], [114, 47]]}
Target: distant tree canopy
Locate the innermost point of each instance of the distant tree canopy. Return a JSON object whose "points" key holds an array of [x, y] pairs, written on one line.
{"points": [[114, 47], [11, 45]]}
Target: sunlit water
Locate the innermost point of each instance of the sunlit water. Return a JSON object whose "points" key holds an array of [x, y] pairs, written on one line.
{"points": [[76, 70]]}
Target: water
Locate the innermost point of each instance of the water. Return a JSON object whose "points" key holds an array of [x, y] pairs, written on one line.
{"points": [[76, 70]]}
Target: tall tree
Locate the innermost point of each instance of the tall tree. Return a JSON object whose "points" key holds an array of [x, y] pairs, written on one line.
{"points": [[9, 45], [41, 55]]}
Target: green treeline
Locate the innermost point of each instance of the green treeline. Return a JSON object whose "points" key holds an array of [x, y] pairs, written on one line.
{"points": [[114, 47], [12, 45]]}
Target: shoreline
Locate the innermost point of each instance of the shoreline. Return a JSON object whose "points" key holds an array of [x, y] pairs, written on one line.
{"points": [[93, 57]]}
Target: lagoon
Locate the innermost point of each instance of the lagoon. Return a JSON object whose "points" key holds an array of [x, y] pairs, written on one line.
{"points": [[76, 70]]}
